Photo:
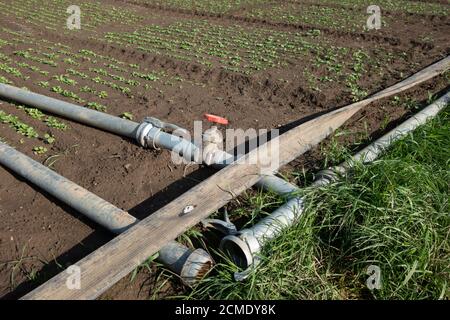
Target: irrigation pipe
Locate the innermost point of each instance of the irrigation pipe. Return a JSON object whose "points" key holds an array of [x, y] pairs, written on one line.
{"points": [[373, 151], [149, 133], [153, 133], [245, 245], [190, 265]]}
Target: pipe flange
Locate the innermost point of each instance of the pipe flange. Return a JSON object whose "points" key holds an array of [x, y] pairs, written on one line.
{"points": [[241, 248], [238, 250], [197, 265], [143, 135], [149, 139], [250, 239]]}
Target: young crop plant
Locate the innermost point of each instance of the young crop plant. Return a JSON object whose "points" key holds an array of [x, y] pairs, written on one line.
{"points": [[54, 123], [234, 48], [102, 94], [27, 55], [77, 73], [96, 106], [65, 79], [43, 84], [39, 150], [206, 6], [5, 58], [99, 71], [88, 89], [33, 112], [12, 71], [67, 94], [419, 7], [358, 69], [49, 139], [127, 115], [71, 61], [20, 127], [147, 76], [3, 43], [4, 80], [32, 68]]}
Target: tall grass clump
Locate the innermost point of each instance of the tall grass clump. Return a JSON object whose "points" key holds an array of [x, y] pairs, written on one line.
{"points": [[392, 213]]}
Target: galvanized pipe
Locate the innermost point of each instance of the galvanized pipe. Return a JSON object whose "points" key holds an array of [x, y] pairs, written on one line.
{"points": [[71, 111], [146, 134], [190, 265], [245, 245], [373, 151]]}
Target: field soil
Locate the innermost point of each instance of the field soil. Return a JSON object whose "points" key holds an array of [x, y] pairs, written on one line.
{"points": [[39, 236]]}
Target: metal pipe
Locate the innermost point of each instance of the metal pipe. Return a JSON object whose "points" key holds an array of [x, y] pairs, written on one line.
{"points": [[190, 265], [373, 151], [148, 134], [245, 245], [71, 111]]}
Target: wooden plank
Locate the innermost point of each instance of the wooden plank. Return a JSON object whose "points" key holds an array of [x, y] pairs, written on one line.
{"points": [[111, 262]]}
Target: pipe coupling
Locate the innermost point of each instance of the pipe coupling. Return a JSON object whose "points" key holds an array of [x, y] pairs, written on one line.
{"points": [[142, 135], [241, 247]]}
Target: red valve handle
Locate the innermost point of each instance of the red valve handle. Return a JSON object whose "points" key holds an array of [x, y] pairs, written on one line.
{"points": [[216, 119]]}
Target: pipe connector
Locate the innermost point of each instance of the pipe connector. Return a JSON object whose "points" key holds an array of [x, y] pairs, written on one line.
{"points": [[149, 131], [142, 134], [212, 139], [327, 176], [241, 247], [153, 133], [244, 246]]}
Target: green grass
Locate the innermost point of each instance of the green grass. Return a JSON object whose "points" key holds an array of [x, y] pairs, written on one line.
{"points": [[392, 213]]}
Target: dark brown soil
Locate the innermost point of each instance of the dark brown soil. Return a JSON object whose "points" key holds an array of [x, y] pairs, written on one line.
{"points": [[40, 236]]}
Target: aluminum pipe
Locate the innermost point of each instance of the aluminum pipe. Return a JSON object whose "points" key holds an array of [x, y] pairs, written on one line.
{"points": [[190, 265]]}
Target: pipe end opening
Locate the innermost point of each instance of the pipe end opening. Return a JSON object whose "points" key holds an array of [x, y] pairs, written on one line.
{"points": [[197, 265], [238, 250]]}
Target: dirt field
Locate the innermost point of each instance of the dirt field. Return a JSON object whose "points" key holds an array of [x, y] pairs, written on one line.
{"points": [[261, 64]]}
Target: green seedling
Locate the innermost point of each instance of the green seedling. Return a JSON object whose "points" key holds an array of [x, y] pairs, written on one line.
{"points": [[102, 94], [43, 84], [20, 127], [39, 150], [54, 123], [96, 106], [127, 115], [48, 138]]}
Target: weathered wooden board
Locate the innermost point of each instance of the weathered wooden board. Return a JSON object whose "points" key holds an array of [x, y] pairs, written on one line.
{"points": [[108, 264]]}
